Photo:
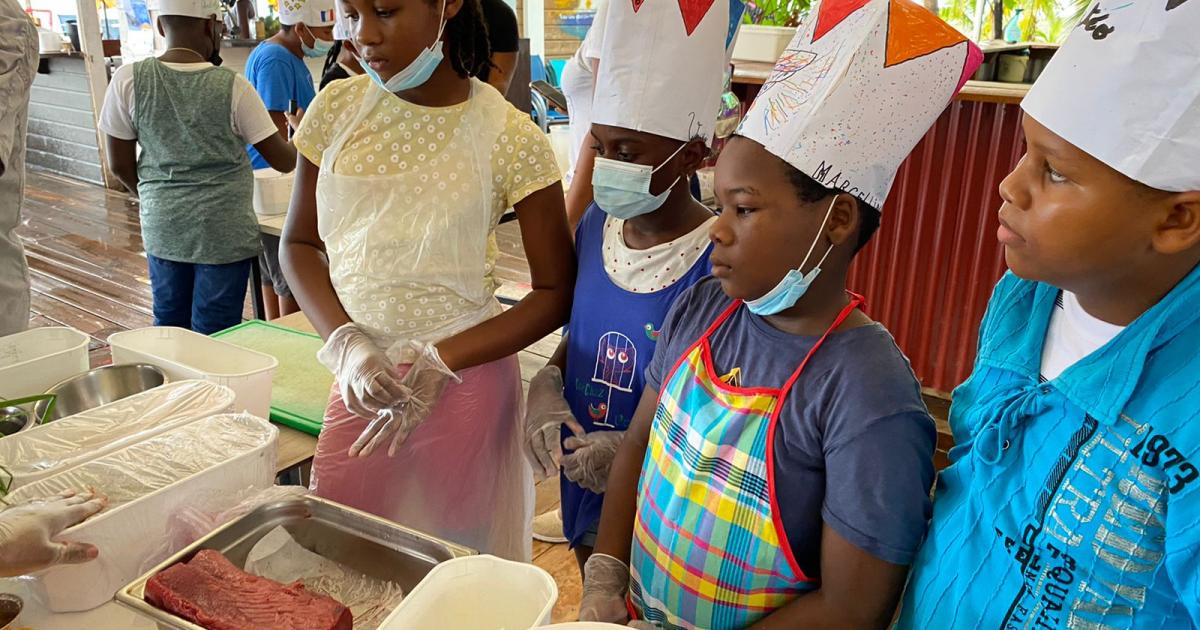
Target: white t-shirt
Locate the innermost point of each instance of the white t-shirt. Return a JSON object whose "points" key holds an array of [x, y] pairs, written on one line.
{"points": [[656, 268], [578, 83], [248, 116], [1073, 335]]}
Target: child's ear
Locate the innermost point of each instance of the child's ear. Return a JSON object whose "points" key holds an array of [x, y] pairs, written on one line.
{"points": [[694, 154], [1180, 229], [452, 9], [843, 219]]}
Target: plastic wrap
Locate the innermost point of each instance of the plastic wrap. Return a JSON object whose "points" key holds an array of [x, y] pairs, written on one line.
{"points": [[277, 556], [146, 483], [206, 511], [45, 450]]}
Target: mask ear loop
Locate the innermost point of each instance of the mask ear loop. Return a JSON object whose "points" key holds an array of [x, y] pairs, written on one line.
{"points": [[665, 162], [828, 213]]}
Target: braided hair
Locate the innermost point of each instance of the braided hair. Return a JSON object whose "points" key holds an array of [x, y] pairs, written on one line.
{"points": [[467, 40]]}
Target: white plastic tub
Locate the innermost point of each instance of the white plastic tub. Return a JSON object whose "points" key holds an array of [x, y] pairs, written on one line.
{"points": [[762, 43], [51, 448], [585, 625], [478, 593], [147, 483], [272, 192], [33, 361], [184, 354]]}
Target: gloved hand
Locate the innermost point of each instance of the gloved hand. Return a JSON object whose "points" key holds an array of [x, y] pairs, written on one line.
{"points": [[546, 410], [592, 458], [605, 584], [366, 378], [425, 381], [27, 530]]}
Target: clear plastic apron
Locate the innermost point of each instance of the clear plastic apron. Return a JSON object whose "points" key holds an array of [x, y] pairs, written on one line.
{"points": [[427, 226], [461, 475]]}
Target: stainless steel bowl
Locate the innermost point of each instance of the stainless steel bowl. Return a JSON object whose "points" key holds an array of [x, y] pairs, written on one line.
{"points": [[13, 420], [100, 387], [10, 608]]}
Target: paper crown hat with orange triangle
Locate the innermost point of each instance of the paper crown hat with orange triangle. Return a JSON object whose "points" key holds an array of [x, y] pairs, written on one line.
{"points": [[857, 88], [1125, 88], [664, 65]]}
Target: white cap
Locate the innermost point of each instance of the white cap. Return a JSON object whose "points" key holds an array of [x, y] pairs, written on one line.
{"points": [[859, 85], [189, 8], [1125, 88], [310, 12], [664, 64]]}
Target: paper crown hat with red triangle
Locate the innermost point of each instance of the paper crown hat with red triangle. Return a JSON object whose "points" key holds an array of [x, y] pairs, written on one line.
{"points": [[664, 64], [857, 88], [1125, 88]]}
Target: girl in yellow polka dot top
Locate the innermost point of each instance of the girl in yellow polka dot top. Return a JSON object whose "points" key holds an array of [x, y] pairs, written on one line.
{"points": [[402, 177]]}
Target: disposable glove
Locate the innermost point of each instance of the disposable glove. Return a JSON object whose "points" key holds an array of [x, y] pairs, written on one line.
{"points": [[424, 382], [546, 410], [592, 458], [366, 378], [605, 584], [27, 532]]}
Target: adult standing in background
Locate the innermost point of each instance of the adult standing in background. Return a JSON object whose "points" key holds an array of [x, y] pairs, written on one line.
{"points": [[18, 59], [276, 70], [578, 85], [505, 41]]}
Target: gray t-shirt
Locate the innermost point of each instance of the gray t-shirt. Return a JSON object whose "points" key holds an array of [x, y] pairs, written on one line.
{"points": [[854, 445]]}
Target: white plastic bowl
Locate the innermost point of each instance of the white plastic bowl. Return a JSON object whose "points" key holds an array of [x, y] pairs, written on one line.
{"points": [[184, 354], [33, 361], [272, 192], [478, 593], [585, 625]]}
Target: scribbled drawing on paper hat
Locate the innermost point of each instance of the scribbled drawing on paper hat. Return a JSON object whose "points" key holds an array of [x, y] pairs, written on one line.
{"points": [[664, 65], [857, 88], [1125, 88], [310, 12]]}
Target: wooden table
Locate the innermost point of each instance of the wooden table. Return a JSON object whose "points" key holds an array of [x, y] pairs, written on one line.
{"points": [[296, 448]]}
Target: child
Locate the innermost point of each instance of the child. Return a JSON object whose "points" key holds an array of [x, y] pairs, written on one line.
{"points": [[787, 452], [278, 73], [193, 177], [642, 243], [1073, 495], [404, 176]]}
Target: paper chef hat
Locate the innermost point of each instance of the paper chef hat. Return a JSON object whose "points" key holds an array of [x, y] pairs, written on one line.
{"points": [[1125, 88], [856, 89], [664, 65], [189, 8], [310, 12]]}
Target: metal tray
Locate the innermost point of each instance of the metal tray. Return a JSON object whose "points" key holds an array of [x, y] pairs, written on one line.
{"points": [[361, 541]]}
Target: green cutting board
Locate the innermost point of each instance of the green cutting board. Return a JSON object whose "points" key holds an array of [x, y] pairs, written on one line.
{"points": [[300, 388]]}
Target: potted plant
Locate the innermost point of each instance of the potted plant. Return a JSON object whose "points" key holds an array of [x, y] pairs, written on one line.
{"points": [[767, 28]]}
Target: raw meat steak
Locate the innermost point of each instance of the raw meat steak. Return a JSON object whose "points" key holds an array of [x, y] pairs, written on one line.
{"points": [[211, 592]]}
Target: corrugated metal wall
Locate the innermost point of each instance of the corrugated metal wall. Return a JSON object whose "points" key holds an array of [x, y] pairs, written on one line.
{"points": [[929, 272]]}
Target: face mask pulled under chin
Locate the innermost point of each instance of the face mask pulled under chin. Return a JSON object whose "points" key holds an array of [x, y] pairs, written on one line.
{"points": [[795, 283], [419, 70]]}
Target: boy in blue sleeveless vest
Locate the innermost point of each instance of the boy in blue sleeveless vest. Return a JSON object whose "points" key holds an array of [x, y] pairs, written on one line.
{"points": [[777, 471], [1073, 495], [640, 244], [193, 176]]}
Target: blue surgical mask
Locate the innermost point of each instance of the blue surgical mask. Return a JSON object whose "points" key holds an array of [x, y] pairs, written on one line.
{"points": [[795, 284], [622, 189], [417, 72], [320, 47]]}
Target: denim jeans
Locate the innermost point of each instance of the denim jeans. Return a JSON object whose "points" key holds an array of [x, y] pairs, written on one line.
{"points": [[203, 298]]}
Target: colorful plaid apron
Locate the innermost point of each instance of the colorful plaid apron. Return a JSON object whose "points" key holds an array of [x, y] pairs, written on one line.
{"points": [[709, 548]]}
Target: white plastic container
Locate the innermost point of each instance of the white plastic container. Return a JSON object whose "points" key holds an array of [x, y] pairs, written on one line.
{"points": [[33, 361], [762, 43], [184, 354], [51, 448], [148, 482], [272, 192], [478, 593], [585, 625]]}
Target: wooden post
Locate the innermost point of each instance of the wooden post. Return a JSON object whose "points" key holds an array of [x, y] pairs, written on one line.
{"points": [[93, 59]]}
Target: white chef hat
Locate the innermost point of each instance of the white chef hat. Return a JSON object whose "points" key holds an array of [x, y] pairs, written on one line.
{"points": [[664, 65], [189, 8], [310, 12], [1125, 88], [857, 88]]}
